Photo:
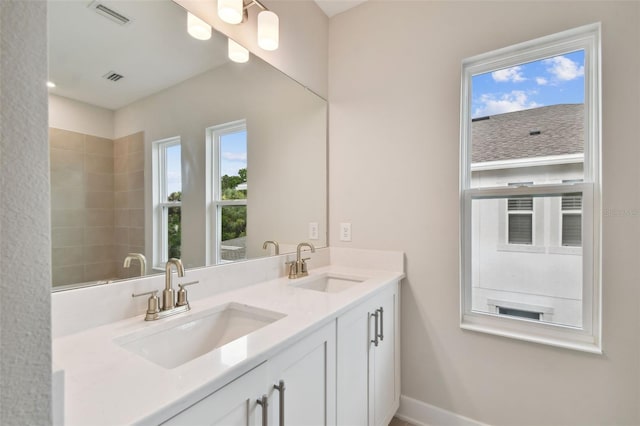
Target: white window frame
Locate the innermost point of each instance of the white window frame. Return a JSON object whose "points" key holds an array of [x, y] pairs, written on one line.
{"points": [[588, 337], [214, 201], [159, 196]]}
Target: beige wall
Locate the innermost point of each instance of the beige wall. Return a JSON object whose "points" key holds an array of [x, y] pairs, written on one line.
{"points": [[25, 244], [394, 79]]}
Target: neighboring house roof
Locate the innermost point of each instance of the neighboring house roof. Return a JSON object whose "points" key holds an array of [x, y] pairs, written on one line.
{"points": [[515, 134]]}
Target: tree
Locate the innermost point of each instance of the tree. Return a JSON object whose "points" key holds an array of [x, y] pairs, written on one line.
{"points": [[175, 226], [234, 218]]}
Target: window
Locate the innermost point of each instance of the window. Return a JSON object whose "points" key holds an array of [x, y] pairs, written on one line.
{"points": [[530, 143], [227, 196], [167, 196], [572, 218], [520, 218]]}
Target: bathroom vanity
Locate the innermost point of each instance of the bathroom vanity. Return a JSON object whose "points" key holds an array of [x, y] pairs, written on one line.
{"points": [[323, 349]]}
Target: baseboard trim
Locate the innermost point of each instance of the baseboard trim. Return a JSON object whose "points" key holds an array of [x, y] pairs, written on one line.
{"points": [[422, 414]]}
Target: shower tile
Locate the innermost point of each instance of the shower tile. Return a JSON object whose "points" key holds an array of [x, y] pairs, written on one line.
{"points": [[99, 146], [66, 140]]}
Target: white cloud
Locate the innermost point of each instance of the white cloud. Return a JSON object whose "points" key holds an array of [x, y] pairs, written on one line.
{"points": [[542, 81], [516, 100], [513, 74], [235, 156], [563, 68]]}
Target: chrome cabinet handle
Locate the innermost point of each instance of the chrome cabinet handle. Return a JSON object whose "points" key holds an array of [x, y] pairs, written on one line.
{"points": [[264, 403], [280, 388], [381, 335], [375, 340]]}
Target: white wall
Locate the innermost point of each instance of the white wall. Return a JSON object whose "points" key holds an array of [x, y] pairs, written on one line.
{"points": [[80, 117], [394, 79], [25, 245]]}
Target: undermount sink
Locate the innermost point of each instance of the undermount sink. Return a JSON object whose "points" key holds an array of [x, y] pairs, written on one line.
{"points": [[329, 283], [185, 339]]}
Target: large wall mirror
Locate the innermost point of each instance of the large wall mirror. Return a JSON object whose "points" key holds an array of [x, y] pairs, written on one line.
{"points": [[162, 147]]}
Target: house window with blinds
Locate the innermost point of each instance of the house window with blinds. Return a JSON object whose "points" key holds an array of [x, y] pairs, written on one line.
{"points": [[520, 218], [572, 218]]}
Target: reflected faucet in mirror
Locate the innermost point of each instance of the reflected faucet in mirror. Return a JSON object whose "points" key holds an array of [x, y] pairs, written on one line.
{"points": [[275, 245], [141, 260]]}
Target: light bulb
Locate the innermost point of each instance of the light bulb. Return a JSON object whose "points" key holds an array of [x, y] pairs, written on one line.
{"points": [[51, 84], [268, 31], [230, 11], [237, 53], [197, 28]]}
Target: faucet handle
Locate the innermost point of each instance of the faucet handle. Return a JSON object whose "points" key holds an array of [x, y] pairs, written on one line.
{"points": [[182, 293], [293, 268], [153, 304]]}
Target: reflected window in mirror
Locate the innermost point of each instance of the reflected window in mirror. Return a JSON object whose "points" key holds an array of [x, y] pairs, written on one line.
{"points": [[167, 196], [227, 147]]}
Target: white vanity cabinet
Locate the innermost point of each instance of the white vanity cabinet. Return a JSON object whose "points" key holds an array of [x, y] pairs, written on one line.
{"points": [[233, 405], [305, 376], [368, 384]]}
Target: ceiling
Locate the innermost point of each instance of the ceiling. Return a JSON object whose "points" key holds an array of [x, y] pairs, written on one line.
{"points": [[333, 7], [152, 52]]}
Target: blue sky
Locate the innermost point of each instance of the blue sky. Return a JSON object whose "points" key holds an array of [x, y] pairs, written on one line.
{"points": [[556, 80], [233, 147]]}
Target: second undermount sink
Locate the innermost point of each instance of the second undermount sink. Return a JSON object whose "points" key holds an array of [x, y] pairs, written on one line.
{"points": [[185, 339], [329, 283]]}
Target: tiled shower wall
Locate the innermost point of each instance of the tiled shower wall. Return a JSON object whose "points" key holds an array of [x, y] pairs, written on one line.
{"points": [[92, 190], [129, 201]]}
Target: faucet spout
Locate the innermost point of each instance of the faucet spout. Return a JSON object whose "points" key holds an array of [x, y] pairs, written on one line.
{"points": [[140, 258], [275, 244], [168, 297], [299, 248]]}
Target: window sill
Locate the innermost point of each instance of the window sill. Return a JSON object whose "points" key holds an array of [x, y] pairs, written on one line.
{"points": [[521, 248], [532, 331], [573, 251]]}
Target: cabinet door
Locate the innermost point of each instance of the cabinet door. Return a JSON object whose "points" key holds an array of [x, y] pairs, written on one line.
{"points": [[307, 370], [353, 366], [386, 392], [233, 405], [368, 375]]}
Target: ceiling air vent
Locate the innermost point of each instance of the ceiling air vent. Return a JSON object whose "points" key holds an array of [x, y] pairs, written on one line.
{"points": [[113, 76], [109, 13]]}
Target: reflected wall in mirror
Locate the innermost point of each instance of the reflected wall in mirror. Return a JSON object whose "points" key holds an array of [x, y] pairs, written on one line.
{"points": [[161, 146]]}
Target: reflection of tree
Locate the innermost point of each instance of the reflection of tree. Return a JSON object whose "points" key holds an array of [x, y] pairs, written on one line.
{"points": [[234, 218], [175, 226]]}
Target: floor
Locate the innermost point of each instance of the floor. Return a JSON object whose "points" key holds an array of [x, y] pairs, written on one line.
{"points": [[397, 422]]}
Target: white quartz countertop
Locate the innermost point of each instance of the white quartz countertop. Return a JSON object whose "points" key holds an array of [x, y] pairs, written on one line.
{"points": [[106, 384]]}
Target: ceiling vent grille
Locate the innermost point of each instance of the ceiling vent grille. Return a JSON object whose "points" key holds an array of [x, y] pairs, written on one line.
{"points": [[109, 13], [113, 76]]}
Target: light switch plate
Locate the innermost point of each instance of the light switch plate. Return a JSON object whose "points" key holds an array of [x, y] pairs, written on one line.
{"points": [[345, 231]]}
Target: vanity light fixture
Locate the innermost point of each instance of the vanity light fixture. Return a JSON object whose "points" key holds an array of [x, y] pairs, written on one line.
{"points": [[197, 28], [231, 11], [238, 53], [235, 12], [268, 30]]}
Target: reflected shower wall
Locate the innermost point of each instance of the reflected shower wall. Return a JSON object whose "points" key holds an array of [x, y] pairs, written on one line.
{"points": [[96, 210]]}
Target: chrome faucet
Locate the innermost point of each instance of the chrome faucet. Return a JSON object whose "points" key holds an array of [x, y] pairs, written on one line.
{"points": [[140, 258], [298, 268], [168, 297], [171, 304], [275, 244]]}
